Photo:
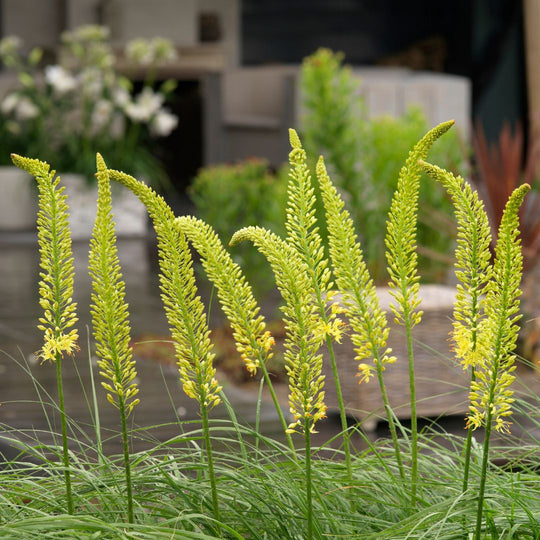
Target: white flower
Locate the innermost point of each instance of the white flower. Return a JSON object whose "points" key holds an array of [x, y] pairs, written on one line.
{"points": [[26, 109], [145, 105], [163, 50], [117, 126], [91, 82], [121, 96], [101, 115], [139, 51], [163, 123], [88, 32], [10, 102], [61, 80]]}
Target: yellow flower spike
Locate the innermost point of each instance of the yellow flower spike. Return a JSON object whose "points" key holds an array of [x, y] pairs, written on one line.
{"points": [[109, 308], [252, 339], [56, 285], [490, 396], [472, 265], [184, 309], [303, 363]]}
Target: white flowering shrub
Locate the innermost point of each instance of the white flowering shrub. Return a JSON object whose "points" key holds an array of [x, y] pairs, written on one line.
{"points": [[65, 111]]}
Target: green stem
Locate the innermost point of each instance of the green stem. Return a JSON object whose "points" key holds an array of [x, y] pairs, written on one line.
{"points": [[483, 475], [309, 503], [390, 417], [414, 426], [341, 404], [211, 473], [127, 465], [64, 432], [97, 424], [487, 435], [270, 386], [467, 453]]}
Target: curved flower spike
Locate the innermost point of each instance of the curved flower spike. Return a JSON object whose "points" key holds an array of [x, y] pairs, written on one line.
{"points": [[56, 284]]}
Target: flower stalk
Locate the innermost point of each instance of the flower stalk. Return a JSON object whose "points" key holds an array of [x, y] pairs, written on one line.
{"points": [[185, 312], [110, 319], [402, 262], [253, 341], [55, 286], [303, 235], [473, 273], [490, 396]]}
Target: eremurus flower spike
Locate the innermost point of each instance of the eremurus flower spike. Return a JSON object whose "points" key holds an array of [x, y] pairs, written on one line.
{"points": [[402, 265], [472, 271], [56, 284], [253, 340], [304, 237], [491, 398], [110, 318], [472, 264], [185, 313], [303, 363], [366, 318], [184, 309], [401, 231], [109, 308]]}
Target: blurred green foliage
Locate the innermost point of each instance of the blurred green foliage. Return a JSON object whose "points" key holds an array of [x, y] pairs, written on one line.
{"points": [[230, 197], [335, 124]]}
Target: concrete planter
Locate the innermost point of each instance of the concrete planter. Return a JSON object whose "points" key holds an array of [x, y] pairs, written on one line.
{"points": [[18, 200], [129, 213]]}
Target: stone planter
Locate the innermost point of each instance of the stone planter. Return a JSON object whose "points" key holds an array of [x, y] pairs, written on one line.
{"points": [[442, 387], [18, 200], [129, 213]]}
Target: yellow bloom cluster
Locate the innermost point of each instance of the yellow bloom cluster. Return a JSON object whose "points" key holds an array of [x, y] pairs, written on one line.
{"points": [[56, 284], [110, 317], [303, 363], [500, 405], [253, 341], [249, 354], [471, 352], [486, 309], [184, 309], [60, 344]]}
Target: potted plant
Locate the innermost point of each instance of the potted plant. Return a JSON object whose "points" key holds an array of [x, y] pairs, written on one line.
{"points": [[65, 112]]}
